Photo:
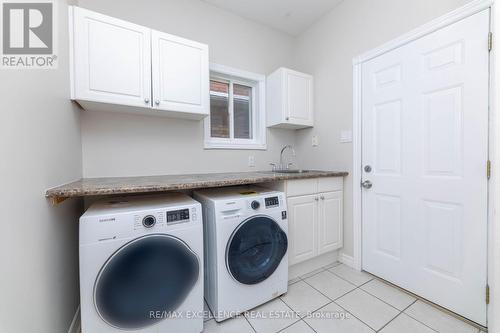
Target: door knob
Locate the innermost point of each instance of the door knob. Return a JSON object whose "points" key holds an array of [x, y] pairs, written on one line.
{"points": [[157, 102], [146, 100], [367, 184]]}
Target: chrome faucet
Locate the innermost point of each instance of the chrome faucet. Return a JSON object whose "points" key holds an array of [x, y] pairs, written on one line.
{"points": [[281, 165]]}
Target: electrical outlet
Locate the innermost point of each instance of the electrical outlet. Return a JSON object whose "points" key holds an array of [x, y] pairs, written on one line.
{"points": [[251, 161], [315, 141]]}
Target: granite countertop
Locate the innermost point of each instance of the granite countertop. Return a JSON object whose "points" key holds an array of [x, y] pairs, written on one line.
{"points": [[130, 185]]}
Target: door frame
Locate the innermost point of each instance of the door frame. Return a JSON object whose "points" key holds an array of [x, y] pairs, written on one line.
{"points": [[461, 13]]}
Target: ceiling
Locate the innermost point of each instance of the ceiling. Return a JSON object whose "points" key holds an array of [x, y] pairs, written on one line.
{"points": [[289, 16]]}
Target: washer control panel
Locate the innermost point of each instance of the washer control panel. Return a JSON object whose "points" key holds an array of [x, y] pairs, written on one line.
{"points": [[255, 205], [149, 221], [178, 216], [272, 202]]}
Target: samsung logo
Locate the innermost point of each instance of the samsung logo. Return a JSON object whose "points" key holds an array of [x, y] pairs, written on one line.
{"points": [[112, 219]]}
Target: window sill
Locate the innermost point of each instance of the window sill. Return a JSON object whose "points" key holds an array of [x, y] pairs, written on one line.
{"points": [[234, 146]]}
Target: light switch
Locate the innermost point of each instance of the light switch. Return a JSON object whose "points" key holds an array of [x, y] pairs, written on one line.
{"points": [[251, 161], [315, 141], [346, 136]]}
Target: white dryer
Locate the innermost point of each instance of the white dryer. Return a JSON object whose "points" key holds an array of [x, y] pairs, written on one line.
{"points": [[141, 265], [246, 242]]}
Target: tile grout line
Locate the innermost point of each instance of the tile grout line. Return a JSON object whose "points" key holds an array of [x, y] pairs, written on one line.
{"points": [[310, 325], [406, 313], [289, 307], [380, 299], [333, 301], [433, 305], [409, 315], [322, 306], [398, 315], [340, 306], [322, 269], [356, 288], [249, 323], [374, 278]]}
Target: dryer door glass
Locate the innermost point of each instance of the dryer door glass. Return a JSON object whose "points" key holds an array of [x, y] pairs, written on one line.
{"points": [[150, 274], [255, 250]]}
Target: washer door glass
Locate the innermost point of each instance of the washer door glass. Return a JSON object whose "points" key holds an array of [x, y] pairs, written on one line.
{"points": [[150, 274], [255, 250]]}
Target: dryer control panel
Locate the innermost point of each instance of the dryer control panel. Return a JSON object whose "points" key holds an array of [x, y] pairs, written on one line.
{"points": [[165, 218]]}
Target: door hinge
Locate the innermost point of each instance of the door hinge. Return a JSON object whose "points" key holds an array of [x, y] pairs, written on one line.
{"points": [[488, 169], [487, 294], [490, 41]]}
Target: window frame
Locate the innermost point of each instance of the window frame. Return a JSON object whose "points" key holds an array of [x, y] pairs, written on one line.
{"points": [[258, 109]]}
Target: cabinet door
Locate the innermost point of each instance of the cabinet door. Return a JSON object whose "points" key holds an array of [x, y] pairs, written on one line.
{"points": [[299, 98], [111, 59], [330, 222], [302, 228], [180, 74]]}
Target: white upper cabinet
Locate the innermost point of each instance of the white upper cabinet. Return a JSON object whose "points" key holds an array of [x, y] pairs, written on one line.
{"points": [[111, 60], [290, 99], [180, 74], [121, 66]]}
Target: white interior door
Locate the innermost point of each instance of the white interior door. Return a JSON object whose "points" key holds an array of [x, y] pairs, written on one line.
{"points": [[425, 137]]}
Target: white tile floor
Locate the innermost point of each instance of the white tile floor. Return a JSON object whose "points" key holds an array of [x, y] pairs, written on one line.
{"points": [[341, 300]]}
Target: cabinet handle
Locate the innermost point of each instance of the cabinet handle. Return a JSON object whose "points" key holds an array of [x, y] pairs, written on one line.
{"points": [[146, 100], [322, 198], [317, 199], [287, 118], [157, 102]]}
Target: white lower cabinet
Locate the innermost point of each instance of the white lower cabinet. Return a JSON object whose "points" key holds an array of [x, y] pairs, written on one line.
{"points": [[330, 222], [315, 217], [302, 226]]}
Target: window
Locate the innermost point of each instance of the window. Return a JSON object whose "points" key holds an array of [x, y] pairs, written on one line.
{"points": [[237, 110]]}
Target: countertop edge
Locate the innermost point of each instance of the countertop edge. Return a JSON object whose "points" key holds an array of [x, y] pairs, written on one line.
{"points": [[78, 190]]}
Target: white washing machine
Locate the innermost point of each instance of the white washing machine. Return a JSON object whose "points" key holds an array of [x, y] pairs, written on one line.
{"points": [[246, 242], [141, 265]]}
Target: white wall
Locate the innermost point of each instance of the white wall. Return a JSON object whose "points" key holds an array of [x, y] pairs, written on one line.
{"points": [[40, 148], [130, 145], [326, 50]]}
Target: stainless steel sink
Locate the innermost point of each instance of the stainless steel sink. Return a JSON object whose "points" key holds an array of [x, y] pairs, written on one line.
{"points": [[290, 171]]}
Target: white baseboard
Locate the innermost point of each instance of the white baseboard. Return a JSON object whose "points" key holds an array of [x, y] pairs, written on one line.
{"points": [[76, 322], [346, 260]]}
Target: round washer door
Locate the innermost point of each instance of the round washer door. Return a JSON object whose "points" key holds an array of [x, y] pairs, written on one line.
{"points": [[149, 274], [255, 250]]}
